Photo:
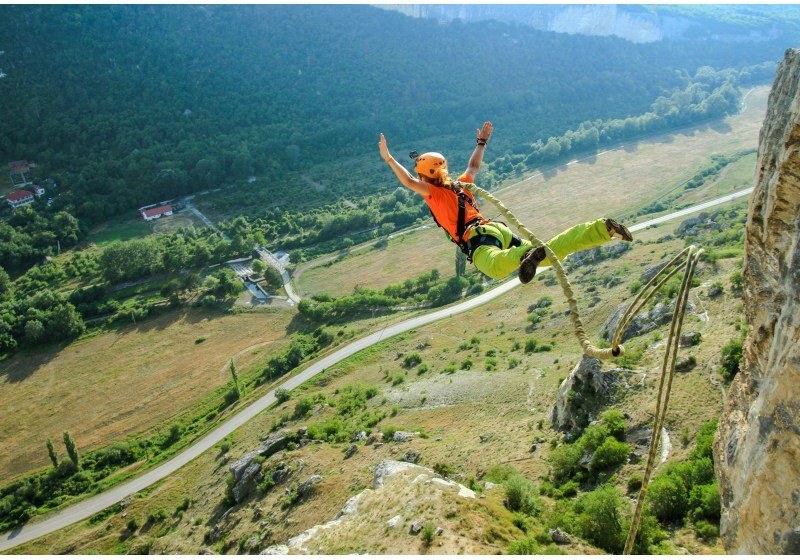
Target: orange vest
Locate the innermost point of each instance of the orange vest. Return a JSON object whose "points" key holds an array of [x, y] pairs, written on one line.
{"points": [[443, 203]]}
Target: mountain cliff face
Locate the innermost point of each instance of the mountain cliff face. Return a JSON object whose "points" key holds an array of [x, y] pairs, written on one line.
{"points": [[632, 22], [757, 448]]}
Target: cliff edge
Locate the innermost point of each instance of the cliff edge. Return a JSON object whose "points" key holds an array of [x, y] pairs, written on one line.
{"points": [[757, 446]]}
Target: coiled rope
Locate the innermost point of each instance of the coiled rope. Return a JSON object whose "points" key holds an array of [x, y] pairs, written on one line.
{"points": [[690, 256]]}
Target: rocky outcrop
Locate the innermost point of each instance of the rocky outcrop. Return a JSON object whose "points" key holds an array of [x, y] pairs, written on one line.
{"points": [[757, 446], [585, 391], [644, 322]]}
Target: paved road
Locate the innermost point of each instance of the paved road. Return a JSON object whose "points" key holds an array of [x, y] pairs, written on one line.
{"points": [[108, 498], [276, 264]]}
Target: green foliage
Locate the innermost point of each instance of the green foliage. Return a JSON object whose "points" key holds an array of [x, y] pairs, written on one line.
{"points": [[635, 482], [412, 360], [303, 406], [732, 354], [564, 462], [500, 473], [599, 518], [282, 395], [531, 345], [522, 495], [428, 533], [736, 281], [530, 546], [51, 452], [132, 525], [614, 420], [704, 441], [609, 455], [668, 498], [157, 516], [705, 530], [72, 449]]}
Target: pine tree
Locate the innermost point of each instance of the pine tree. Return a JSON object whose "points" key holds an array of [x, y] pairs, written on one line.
{"points": [[51, 451], [233, 374], [72, 449]]}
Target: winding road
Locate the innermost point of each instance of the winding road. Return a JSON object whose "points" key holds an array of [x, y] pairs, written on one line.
{"points": [[95, 504]]}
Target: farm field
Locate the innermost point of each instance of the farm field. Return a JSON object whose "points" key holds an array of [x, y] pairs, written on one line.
{"points": [[111, 385], [472, 417], [615, 183], [124, 229]]}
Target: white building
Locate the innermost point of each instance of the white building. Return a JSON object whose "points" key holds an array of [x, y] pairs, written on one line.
{"points": [[20, 198], [150, 214]]}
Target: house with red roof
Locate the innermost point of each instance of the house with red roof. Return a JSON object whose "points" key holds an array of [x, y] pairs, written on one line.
{"points": [[150, 214], [20, 198]]}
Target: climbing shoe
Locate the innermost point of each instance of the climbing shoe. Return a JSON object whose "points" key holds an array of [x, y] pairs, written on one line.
{"points": [[618, 231], [529, 262]]}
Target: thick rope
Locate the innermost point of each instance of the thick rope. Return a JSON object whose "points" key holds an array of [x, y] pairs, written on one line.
{"points": [[667, 375], [588, 348]]}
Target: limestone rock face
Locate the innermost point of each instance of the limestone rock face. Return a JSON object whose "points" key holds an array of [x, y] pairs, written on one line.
{"points": [[757, 446]]}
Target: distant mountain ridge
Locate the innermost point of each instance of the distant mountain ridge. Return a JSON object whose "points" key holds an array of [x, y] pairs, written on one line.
{"points": [[638, 24]]}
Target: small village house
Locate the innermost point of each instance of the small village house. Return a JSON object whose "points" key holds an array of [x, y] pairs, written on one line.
{"points": [[150, 214], [20, 198], [20, 172]]}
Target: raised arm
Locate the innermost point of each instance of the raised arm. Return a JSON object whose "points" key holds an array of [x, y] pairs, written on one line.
{"points": [[408, 180], [482, 134]]}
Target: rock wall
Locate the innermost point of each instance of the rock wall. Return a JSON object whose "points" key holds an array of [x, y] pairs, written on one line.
{"points": [[757, 447]]}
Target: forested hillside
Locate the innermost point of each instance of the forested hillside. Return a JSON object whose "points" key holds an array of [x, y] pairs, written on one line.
{"points": [[132, 104]]}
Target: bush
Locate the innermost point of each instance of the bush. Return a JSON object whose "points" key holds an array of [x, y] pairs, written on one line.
{"points": [[530, 546], [564, 462], [610, 454], [303, 406], [705, 530], [635, 482], [466, 364], [704, 502], [156, 516], [569, 490], [615, 422], [500, 473], [132, 525], [398, 378], [428, 533], [283, 395], [668, 498], [599, 519], [530, 345], [731, 358], [594, 436], [522, 495], [704, 441], [412, 360]]}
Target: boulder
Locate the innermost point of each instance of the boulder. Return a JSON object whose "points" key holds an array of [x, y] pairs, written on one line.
{"points": [[691, 338], [402, 436], [395, 522], [643, 323], [586, 389], [350, 451], [715, 290], [415, 528], [248, 480], [306, 488], [411, 457], [276, 550], [685, 364], [360, 436], [270, 446], [560, 537]]}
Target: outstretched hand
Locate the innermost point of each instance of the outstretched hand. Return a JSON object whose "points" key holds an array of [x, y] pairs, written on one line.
{"points": [[485, 132], [383, 148]]}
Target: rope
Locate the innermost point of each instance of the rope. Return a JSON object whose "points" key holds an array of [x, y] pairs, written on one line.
{"points": [[667, 375], [690, 256]]}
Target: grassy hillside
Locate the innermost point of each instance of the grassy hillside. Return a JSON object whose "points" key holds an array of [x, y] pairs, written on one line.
{"points": [[478, 400]]}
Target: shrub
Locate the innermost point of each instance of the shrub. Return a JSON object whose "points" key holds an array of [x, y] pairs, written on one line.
{"points": [[705, 530], [599, 519], [132, 525], [704, 502], [635, 482], [412, 360], [283, 395], [731, 358], [522, 495], [530, 345], [736, 281], [512, 363], [668, 498], [422, 369], [500, 473], [569, 489], [156, 516], [398, 378], [704, 441], [303, 406], [491, 364], [466, 364], [564, 461], [428, 533], [530, 546], [615, 422], [610, 454], [594, 436]]}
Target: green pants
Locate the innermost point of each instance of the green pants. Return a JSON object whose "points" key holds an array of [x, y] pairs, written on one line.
{"points": [[499, 263]]}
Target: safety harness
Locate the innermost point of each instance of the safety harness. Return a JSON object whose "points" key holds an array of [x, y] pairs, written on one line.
{"points": [[468, 247]]}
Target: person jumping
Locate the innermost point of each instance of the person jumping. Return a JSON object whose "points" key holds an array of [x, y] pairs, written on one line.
{"points": [[490, 245]]}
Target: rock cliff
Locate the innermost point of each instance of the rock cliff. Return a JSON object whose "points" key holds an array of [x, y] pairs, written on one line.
{"points": [[757, 447]]}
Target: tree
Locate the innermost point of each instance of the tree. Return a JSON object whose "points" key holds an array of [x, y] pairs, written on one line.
{"points": [[5, 282], [51, 452], [72, 449], [258, 266], [461, 263], [233, 374]]}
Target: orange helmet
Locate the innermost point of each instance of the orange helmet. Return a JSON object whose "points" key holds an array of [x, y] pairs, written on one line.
{"points": [[431, 165]]}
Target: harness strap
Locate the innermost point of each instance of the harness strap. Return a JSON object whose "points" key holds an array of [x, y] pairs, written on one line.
{"points": [[483, 239]]}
